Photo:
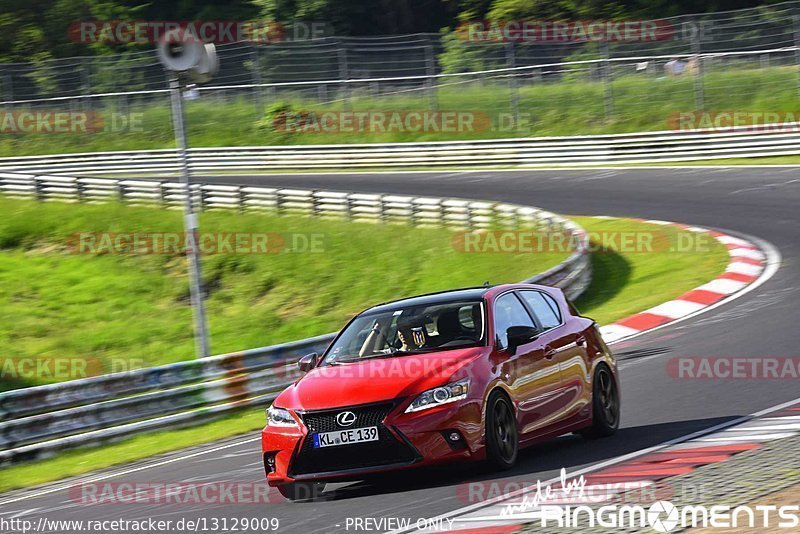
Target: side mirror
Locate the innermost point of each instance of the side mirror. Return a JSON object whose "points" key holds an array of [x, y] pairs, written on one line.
{"points": [[308, 362], [519, 335]]}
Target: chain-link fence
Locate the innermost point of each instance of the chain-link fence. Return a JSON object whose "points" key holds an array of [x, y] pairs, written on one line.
{"points": [[713, 61]]}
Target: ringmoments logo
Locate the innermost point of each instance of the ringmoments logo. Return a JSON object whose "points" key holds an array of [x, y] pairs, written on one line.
{"points": [[542, 508]]}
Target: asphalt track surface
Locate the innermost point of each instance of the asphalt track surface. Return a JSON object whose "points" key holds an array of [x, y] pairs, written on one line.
{"points": [[764, 203]]}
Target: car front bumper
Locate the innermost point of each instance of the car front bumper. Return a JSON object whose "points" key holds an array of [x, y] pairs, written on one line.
{"points": [[451, 432]]}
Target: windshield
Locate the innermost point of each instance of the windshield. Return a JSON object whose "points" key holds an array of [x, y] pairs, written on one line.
{"points": [[414, 329]]}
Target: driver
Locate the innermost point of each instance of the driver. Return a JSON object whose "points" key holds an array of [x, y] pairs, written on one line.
{"points": [[412, 336]]}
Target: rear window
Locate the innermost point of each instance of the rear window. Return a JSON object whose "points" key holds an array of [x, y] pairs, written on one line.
{"points": [[544, 308]]}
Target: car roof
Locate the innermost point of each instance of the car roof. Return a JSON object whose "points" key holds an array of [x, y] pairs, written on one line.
{"points": [[470, 293]]}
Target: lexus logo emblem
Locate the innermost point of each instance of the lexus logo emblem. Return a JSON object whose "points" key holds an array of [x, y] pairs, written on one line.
{"points": [[345, 418]]}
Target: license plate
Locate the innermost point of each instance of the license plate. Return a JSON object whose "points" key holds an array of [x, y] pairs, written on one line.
{"points": [[345, 437]]}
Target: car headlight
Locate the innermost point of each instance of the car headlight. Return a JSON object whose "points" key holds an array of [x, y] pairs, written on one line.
{"points": [[441, 395], [279, 417]]}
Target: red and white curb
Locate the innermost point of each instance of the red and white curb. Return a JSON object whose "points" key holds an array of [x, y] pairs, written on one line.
{"points": [[748, 263], [646, 472]]}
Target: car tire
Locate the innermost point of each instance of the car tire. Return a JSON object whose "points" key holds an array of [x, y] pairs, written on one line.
{"points": [[502, 437], [301, 491], [605, 405]]}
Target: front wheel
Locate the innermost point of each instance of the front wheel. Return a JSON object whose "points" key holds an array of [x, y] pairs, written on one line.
{"points": [[502, 439], [605, 405], [301, 491]]}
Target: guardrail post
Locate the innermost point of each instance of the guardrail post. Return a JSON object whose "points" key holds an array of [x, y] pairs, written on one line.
{"points": [[315, 207], [121, 191], [608, 88], [80, 191], [381, 209], [162, 194], [278, 202], [202, 201], [38, 192], [241, 199], [511, 62]]}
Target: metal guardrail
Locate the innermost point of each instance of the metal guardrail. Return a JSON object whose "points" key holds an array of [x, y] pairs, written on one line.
{"points": [[40, 420], [663, 146]]}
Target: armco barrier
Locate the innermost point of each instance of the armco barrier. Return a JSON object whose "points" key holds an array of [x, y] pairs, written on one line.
{"points": [[648, 147], [39, 421]]}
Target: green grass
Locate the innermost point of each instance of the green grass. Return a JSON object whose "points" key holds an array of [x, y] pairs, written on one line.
{"points": [[80, 461], [769, 160], [567, 107], [133, 310], [624, 283]]}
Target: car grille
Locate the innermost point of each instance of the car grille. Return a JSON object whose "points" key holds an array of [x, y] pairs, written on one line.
{"points": [[386, 450]]}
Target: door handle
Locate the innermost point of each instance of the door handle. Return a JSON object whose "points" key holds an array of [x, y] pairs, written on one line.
{"points": [[581, 341], [549, 353]]}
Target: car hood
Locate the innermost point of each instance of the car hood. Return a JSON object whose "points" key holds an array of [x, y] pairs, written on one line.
{"points": [[374, 380]]}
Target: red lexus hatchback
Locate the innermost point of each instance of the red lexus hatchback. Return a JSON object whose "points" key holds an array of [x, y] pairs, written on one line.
{"points": [[471, 374]]}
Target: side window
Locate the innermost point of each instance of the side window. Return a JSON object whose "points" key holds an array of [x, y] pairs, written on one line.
{"points": [[508, 312], [544, 307]]}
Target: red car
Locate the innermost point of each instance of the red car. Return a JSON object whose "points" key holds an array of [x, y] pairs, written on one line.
{"points": [[471, 374]]}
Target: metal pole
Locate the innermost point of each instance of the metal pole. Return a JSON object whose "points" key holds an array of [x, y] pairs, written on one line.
{"points": [[343, 73], [8, 88], [257, 81], [796, 19], [699, 93], [190, 222], [87, 84], [430, 69], [511, 61], [608, 89]]}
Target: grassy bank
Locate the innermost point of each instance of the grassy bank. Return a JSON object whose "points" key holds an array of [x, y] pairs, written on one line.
{"points": [[121, 310], [625, 282], [567, 107]]}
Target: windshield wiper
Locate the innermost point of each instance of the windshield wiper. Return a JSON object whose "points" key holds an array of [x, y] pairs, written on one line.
{"points": [[383, 355]]}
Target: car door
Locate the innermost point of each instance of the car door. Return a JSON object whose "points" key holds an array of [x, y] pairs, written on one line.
{"points": [[532, 377], [565, 343]]}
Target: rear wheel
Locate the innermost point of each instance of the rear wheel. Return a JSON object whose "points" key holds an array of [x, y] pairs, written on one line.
{"points": [[502, 439], [605, 405], [302, 491]]}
